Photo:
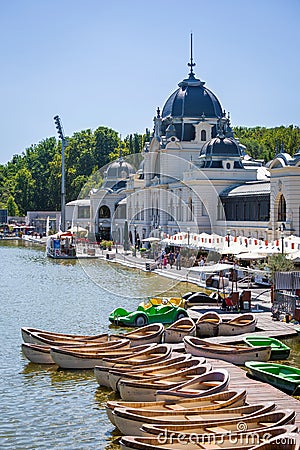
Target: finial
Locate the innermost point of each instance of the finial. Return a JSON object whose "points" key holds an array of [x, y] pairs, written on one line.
{"points": [[158, 112], [121, 150], [191, 64]]}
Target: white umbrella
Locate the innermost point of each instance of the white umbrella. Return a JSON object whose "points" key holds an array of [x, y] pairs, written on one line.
{"points": [[151, 239], [250, 255], [212, 268]]}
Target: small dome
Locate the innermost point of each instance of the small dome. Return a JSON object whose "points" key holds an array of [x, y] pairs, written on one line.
{"points": [[221, 147], [119, 169]]}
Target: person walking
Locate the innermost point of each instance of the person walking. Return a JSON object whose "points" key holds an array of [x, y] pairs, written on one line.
{"points": [[165, 261], [177, 260], [171, 259]]}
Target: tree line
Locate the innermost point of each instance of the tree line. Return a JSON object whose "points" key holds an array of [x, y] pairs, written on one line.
{"points": [[31, 181]]}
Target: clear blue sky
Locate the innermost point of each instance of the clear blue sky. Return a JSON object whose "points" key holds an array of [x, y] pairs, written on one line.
{"points": [[111, 63]]}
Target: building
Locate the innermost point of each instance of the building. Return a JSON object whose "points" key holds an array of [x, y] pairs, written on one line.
{"points": [[193, 176]]}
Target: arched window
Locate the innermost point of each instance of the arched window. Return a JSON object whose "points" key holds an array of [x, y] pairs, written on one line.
{"points": [[104, 212], [281, 209], [203, 135]]}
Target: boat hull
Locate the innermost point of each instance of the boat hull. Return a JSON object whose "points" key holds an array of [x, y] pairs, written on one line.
{"points": [[130, 421], [278, 349], [287, 380], [37, 354], [145, 391], [235, 356], [212, 402]]}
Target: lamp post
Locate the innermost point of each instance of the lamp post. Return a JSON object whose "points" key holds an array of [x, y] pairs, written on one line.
{"points": [[188, 232], [134, 226], [282, 228], [228, 237], [60, 133]]}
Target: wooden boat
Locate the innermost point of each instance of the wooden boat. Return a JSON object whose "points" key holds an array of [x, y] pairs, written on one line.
{"points": [[200, 386], [156, 355], [153, 355], [182, 327], [163, 368], [38, 354], [145, 390], [104, 377], [234, 441], [278, 349], [226, 399], [208, 324], [69, 358], [286, 378], [145, 335], [28, 335], [232, 353], [129, 420], [287, 441], [265, 421], [245, 323]]}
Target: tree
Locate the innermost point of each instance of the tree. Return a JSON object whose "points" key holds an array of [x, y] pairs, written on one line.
{"points": [[12, 207]]}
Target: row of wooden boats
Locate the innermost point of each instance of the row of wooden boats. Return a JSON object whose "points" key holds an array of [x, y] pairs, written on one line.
{"points": [[183, 416], [211, 324]]}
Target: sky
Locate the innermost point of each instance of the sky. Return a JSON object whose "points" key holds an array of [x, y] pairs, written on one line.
{"points": [[112, 63]]}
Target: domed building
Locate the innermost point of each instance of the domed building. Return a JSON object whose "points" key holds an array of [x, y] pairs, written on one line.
{"points": [[195, 175]]}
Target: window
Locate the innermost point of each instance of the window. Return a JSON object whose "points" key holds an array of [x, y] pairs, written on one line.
{"points": [[203, 135], [281, 209], [83, 212], [104, 212]]}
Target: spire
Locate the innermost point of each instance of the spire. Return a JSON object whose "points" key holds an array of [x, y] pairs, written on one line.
{"points": [[191, 80], [191, 64]]}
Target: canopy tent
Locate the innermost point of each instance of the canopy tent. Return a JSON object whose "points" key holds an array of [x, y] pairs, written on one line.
{"points": [[213, 268], [249, 256], [151, 239], [77, 229]]}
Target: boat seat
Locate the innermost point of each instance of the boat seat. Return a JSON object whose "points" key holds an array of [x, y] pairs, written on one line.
{"points": [[217, 430], [175, 407]]}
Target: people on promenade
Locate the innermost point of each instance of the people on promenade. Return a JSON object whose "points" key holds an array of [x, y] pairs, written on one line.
{"points": [[177, 260], [171, 259]]}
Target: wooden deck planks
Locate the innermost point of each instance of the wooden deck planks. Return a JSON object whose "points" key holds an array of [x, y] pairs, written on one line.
{"points": [[257, 392]]}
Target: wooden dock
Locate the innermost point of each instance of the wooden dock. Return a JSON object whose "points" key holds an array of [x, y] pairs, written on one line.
{"points": [[257, 391]]}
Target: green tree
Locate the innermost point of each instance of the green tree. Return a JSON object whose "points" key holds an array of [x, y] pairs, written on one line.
{"points": [[12, 207]]}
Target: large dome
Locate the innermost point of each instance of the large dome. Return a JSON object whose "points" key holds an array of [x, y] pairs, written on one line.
{"points": [[192, 100]]}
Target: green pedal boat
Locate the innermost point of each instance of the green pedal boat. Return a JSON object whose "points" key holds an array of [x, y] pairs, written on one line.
{"points": [[286, 378], [279, 350]]}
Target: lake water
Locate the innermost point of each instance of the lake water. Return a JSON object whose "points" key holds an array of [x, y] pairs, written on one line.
{"points": [[42, 407]]}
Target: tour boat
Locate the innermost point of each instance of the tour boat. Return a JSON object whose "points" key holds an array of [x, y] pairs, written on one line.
{"points": [[145, 390], [252, 424], [129, 420], [283, 377], [61, 245], [225, 399], [234, 354], [208, 324], [245, 323], [199, 386], [278, 349], [176, 332], [286, 439]]}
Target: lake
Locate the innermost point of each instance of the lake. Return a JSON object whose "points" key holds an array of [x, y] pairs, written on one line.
{"points": [[42, 407]]}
